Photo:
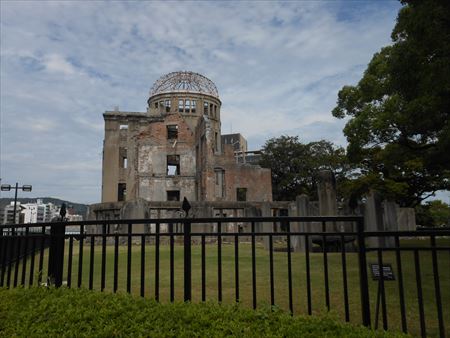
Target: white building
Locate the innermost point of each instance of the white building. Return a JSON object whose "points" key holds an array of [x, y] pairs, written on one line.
{"points": [[38, 212], [8, 213], [29, 212]]}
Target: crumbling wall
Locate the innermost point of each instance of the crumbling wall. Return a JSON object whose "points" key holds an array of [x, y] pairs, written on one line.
{"points": [[256, 180], [153, 148], [118, 128]]}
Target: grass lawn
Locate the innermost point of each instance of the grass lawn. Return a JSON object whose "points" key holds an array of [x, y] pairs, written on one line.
{"points": [[281, 280]]}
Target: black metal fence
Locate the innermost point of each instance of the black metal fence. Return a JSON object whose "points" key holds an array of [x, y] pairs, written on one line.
{"points": [[405, 275]]}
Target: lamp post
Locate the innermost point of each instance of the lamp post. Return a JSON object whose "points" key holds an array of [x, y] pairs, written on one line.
{"points": [[8, 187]]}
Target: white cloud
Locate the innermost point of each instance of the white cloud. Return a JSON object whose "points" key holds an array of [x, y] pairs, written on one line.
{"points": [[278, 67], [40, 125], [57, 63]]}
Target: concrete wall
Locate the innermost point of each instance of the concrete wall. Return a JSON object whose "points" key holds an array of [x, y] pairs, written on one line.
{"points": [[406, 219], [110, 177]]}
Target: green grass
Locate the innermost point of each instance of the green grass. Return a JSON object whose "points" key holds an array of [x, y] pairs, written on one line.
{"points": [[281, 280], [50, 312]]}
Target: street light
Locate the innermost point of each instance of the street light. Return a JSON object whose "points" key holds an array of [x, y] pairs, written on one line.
{"points": [[8, 187]]}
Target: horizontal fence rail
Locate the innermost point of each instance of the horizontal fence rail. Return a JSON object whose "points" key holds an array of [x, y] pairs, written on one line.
{"points": [[305, 265]]}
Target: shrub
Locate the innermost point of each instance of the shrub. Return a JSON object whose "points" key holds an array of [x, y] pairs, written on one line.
{"points": [[78, 312]]}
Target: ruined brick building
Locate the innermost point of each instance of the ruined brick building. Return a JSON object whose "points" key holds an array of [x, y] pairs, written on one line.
{"points": [[175, 149]]}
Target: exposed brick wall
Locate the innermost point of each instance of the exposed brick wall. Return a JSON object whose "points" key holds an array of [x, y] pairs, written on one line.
{"points": [[147, 147]]}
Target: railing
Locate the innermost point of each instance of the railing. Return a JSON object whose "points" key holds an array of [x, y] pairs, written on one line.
{"points": [[247, 271]]}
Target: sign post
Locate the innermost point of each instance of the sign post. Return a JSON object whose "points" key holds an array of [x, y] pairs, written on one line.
{"points": [[387, 274]]}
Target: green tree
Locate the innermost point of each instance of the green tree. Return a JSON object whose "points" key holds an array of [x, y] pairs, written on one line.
{"points": [[399, 127], [295, 165], [433, 213]]}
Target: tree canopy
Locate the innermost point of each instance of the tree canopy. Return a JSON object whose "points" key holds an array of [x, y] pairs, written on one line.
{"points": [[295, 165], [433, 213], [399, 128]]}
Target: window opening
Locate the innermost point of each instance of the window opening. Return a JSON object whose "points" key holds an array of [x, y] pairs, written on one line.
{"points": [[123, 158], [167, 104], [123, 161], [172, 132], [187, 106], [215, 111], [156, 104], [211, 108], [205, 108], [216, 142], [180, 106], [194, 106], [173, 195], [241, 194], [121, 192], [173, 165], [220, 182]]}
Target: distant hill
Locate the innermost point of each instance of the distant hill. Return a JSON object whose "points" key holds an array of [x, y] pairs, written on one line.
{"points": [[80, 209]]}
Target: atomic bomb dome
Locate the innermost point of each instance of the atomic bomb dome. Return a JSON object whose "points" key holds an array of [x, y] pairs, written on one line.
{"points": [[184, 82], [176, 149]]}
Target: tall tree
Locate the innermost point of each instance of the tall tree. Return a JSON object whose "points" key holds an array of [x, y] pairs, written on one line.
{"points": [[399, 127], [295, 165]]}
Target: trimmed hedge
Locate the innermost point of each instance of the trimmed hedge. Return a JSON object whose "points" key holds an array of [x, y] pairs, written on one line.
{"points": [[70, 312]]}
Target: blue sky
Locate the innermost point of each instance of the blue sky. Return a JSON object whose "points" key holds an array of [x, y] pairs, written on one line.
{"points": [[278, 67]]}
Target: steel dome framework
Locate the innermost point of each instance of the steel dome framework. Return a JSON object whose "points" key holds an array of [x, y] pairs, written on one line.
{"points": [[184, 82]]}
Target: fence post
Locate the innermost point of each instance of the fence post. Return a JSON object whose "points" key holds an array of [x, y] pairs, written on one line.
{"points": [[363, 282], [187, 260], [56, 254]]}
